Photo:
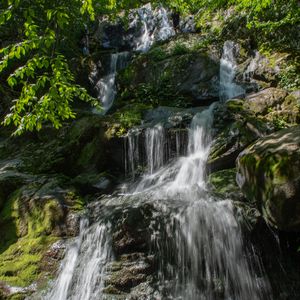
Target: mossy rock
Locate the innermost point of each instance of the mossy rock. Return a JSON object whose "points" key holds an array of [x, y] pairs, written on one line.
{"points": [[223, 183], [120, 122], [235, 129], [268, 174], [20, 262], [179, 73], [264, 100], [33, 218]]}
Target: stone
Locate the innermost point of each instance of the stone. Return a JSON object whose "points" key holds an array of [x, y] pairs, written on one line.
{"points": [[223, 184], [235, 128], [268, 174], [173, 74], [265, 100]]}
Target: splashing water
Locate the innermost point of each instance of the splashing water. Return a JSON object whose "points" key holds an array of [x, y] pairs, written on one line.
{"points": [[82, 271], [106, 86], [201, 250], [156, 26], [198, 242], [228, 88]]}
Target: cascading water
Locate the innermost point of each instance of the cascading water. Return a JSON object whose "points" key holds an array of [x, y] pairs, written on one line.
{"points": [[155, 147], [198, 241], [201, 250], [82, 271], [228, 88], [155, 26], [106, 86]]}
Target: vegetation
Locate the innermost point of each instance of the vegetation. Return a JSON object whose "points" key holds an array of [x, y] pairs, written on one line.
{"points": [[35, 59]]}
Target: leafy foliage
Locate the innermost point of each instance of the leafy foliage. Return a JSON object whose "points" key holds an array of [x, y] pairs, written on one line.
{"points": [[34, 64]]}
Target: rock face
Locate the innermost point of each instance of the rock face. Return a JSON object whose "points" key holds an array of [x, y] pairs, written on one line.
{"points": [[179, 72], [264, 100], [268, 174], [236, 128]]}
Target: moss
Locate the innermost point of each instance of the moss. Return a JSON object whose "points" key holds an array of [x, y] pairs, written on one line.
{"points": [[26, 236], [125, 118], [234, 105], [19, 264], [75, 201], [18, 296], [224, 184], [87, 153]]}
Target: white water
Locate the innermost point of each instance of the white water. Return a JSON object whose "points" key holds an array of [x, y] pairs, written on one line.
{"points": [[106, 86], [155, 147], [201, 251], [198, 244], [228, 88], [81, 275], [184, 174], [155, 24]]}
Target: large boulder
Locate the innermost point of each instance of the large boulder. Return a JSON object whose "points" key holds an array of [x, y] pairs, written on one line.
{"points": [[179, 72], [264, 100], [268, 174]]}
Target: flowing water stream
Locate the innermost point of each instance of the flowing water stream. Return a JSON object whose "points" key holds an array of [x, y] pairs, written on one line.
{"points": [[199, 246], [228, 88], [198, 243], [106, 86]]}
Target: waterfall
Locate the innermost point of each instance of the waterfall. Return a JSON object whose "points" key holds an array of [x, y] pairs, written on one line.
{"points": [[132, 152], [201, 252], [198, 242], [81, 276], [106, 86], [228, 88]]}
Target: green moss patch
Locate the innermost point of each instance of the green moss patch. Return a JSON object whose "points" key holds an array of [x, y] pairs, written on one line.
{"points": [[224, 184], [20, 263], [125, 118]]}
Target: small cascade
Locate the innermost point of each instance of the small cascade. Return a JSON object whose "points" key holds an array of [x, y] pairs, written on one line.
{"points": [[192, 169], [155, 26], [132, 152], [106, 86], [183, 173], [155, 151], [228, 88], [81, 276]]}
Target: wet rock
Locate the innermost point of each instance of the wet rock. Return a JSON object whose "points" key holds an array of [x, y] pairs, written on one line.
{"points": [[89, 183], [129, 271], [131, 232], [52, 258], [268, 174]]}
